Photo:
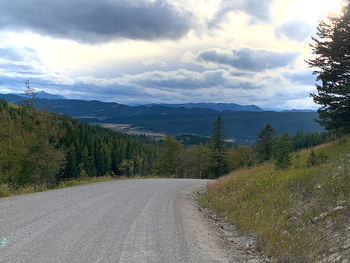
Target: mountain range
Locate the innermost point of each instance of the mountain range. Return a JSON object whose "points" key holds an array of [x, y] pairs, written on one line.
{"points": [[214, 106], [42, 95], [242, 126]]}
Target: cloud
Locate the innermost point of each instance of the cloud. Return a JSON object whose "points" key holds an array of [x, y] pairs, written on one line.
{"points": [[153, 62], [9, 54], [178, 86], [96, 21], [179, 79], [304, 77], [259, 10], [247, 59], [295, 30]]}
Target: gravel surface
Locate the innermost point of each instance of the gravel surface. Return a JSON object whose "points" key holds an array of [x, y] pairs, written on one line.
{"points": [[153, 220]]}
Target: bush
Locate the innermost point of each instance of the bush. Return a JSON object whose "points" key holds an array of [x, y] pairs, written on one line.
{"points": [[4, 190], [282, 152]]}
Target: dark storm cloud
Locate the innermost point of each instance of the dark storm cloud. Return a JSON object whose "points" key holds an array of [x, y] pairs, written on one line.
{"points": [[295, 30], [259, 10], [248, 59], [95, 20]]}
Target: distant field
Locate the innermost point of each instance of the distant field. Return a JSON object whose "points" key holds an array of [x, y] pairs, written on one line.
{"points": [[130, 129]]}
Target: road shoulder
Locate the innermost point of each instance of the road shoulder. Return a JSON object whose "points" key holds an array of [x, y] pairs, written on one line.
{"points": [[209, 238]]}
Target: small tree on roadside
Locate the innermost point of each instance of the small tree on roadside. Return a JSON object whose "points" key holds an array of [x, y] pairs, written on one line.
{"points": [[282, 151]]}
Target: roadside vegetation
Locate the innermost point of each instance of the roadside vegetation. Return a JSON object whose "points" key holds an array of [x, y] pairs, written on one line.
{"points": [[296, 204], [289, 211], [217, 158], [40, 150]]}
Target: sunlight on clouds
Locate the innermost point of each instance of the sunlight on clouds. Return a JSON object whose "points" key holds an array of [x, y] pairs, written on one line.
{"points": [[307, 10], [70, 55], [134, 63]]}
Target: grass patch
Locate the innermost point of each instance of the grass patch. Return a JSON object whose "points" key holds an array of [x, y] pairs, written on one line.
{"points": [[282, 208], [202, 199], [6, 190]]}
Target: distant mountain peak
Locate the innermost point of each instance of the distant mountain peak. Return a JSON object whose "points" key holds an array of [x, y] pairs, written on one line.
{"points": [[221, 107], [42, 95]]}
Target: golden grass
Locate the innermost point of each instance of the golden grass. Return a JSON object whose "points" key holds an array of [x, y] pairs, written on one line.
{"points": [[278, 207]]}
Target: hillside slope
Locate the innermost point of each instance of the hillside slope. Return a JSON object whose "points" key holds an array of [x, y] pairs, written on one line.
{"points": [[42, 149], [243, 127], [214, 106], [297, 215]]}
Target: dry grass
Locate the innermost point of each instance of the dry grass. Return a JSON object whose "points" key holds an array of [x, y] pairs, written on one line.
{"points": [[279, 207], [6, 190]]}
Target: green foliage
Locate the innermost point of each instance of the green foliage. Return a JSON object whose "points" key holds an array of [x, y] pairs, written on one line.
{"points": [[265, 141], [28, 152], [278, 207], [39, 149], [169, 159], [99, 151], [218, 152], [242, 126], [303, 140], [4, 190], [242, 156], [83, 175], [195, 162], [218, 138], [200, 161], [190, 140], [312, 160], [332, 48], [316, 159], [215, 159], [282, 151]]}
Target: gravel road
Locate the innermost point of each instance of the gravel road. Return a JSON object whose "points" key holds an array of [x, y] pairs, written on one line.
{"points": [[151, 220]]}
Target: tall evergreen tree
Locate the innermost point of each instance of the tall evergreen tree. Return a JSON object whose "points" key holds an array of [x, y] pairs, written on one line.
{"points": [[265, 141], [218, 162], [332, 63], [218, 138]]}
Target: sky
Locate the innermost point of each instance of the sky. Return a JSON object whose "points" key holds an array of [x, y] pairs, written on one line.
{"points": [[163, 51]]}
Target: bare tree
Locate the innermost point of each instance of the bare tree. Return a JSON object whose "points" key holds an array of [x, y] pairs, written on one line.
{"points": [[31, 95]]}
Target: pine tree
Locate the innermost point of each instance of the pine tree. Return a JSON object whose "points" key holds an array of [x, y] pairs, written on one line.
{"points": [[265, 141], [218, 162], [282, 151], [312, 160], [218, 138], [332, 50]]}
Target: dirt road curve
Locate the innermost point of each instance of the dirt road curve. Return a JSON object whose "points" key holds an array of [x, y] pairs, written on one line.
{"points": [[117, 221]]}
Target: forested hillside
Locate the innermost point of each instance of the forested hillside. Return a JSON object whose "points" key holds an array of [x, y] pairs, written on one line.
{"points": [[39, 148], [241, 126], [215, 157]]}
